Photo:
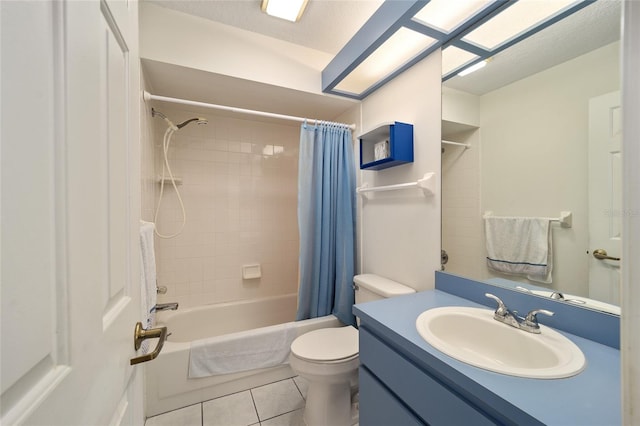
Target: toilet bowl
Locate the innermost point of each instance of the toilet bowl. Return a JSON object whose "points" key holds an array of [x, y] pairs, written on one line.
{"points": [[328, 359]]}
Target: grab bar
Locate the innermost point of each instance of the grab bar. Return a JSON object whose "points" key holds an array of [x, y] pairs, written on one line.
{"points": [[141, 334]]}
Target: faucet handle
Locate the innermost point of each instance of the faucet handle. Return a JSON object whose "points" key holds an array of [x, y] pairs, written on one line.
{"points": [[501, 310], [531, 320]]}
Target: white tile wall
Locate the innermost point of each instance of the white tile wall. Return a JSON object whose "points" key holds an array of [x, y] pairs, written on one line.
{"points": [[240, 195], [462, 228]]}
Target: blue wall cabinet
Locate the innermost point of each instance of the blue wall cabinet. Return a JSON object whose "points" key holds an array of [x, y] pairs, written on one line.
{"points": [[387, 145]]}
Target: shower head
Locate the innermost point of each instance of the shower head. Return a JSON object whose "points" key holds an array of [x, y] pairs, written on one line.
{"points": [[198, 120]]}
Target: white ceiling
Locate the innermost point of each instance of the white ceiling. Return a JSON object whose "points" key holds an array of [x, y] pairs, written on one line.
{"points": [[175, 81], [590, 28], [327, 25]]}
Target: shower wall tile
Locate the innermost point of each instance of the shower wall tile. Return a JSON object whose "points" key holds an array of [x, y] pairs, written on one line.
{"points": [[239, 189]]}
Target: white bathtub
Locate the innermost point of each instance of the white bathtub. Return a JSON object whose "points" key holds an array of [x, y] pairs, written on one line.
{"points": [[167, 385]]}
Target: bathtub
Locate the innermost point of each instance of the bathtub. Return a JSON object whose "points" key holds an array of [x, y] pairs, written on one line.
{"points": [[167, 386]]}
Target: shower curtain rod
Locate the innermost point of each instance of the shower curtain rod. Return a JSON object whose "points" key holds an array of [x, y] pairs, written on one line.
{"points": [[148, 97]]}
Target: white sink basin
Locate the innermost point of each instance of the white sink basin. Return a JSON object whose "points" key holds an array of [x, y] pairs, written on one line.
{"points": [[472, 336]]}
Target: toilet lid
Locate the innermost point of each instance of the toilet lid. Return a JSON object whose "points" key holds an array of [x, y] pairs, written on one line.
{"points": [[327, 344]]}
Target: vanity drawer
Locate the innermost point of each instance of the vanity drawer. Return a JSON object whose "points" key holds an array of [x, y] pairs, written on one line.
{"points": [[434, 403]]}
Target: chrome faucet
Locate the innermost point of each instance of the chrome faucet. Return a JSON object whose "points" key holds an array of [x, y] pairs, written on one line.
{"points": [[559, 296], [509, 317], [504, 314], [165, 307]]}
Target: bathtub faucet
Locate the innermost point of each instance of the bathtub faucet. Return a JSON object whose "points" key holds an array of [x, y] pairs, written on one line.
{"points": [[166, 307]]}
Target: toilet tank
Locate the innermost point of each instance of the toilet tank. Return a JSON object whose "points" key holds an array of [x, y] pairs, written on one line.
{"points": [[374, 287]]}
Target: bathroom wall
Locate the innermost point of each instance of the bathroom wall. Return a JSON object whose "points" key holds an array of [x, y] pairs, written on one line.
{"points": [[239, 189], [400, 230], [147, 158], [532, 160]]}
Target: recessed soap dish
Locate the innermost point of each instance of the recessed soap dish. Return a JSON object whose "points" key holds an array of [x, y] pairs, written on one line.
{"points": [[251, 272]]}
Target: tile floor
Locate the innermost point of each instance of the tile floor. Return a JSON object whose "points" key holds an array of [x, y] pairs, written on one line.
{"points": [[276, 404]]}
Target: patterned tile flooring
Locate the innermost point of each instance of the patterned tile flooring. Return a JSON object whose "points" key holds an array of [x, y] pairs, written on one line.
{"points": [[276, 404]]}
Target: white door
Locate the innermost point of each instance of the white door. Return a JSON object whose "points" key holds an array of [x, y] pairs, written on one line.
{"points": [[70, 209], [605, 196]]}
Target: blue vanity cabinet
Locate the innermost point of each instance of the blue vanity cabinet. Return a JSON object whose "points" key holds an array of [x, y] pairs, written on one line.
{"points": [[382, 407], [388, 145], [395, 391], [406, 381]]}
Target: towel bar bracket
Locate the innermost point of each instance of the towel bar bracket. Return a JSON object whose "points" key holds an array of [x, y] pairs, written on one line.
{"points": [[566, 219]]}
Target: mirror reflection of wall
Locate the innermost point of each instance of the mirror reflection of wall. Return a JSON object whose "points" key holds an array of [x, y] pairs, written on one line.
{"points": [[528, 152]]}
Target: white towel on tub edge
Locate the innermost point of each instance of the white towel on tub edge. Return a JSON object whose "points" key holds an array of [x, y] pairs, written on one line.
{"points": [[148, 284], [247, 350]]}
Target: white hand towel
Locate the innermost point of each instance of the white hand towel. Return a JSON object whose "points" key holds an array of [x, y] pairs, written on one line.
{"points": [[521, 246], [147, 277], [247, 350]]}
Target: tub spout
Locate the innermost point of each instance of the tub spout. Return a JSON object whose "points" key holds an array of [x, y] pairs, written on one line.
{"points": [[166, 307]]}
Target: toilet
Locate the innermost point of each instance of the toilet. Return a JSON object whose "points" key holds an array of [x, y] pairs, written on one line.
{"points": [[328, 359]]}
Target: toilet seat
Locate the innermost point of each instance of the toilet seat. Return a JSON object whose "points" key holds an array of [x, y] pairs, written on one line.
{"points": [[327, 345]]}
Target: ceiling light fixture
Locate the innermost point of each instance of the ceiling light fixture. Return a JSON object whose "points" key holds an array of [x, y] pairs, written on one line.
{"points": [[396, 50], [472, 68], [468, 32], [291, 10]]}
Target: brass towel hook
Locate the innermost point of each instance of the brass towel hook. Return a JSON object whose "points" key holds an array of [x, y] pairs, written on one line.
{"points": [[140, 334]]}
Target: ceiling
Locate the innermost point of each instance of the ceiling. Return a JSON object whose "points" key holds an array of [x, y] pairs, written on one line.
{"points": [[346, 17], [312, 31], [593, 26], [175, 81], [590, 28]]}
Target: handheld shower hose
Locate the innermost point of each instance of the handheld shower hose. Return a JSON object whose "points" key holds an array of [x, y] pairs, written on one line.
{"points": [[166, 167]]}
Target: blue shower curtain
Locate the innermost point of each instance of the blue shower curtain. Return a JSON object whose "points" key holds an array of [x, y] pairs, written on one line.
{"points": [[326, 218]]}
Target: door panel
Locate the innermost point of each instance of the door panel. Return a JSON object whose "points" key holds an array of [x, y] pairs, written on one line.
{"points": [[605, 195], [70, 209], [35, 352]]}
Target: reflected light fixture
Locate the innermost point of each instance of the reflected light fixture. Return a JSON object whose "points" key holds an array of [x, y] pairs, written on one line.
{"points": [[291, 10], [473, 68], [453, 58]]}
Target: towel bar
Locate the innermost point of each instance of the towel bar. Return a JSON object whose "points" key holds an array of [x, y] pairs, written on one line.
{"points": [[427, 184], [565, 219]]}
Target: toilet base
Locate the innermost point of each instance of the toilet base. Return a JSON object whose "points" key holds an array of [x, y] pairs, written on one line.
{"points": [[328, 404]]}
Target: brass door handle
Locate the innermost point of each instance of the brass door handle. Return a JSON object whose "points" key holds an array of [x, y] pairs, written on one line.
{"points": [[601, 254], [141, 334]]}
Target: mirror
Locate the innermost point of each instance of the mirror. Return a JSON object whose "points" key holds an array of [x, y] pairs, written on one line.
{"points": [[531, 121]]}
